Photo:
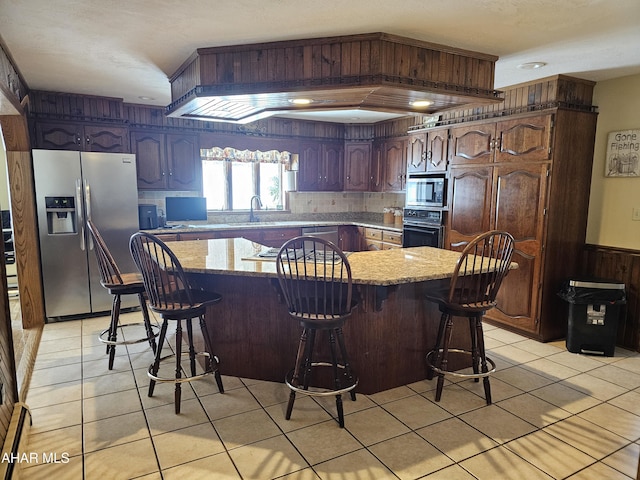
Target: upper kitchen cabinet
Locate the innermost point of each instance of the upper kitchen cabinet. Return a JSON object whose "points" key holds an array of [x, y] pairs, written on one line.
{"points": [[357, 166], [503, 141], [167, 161], [321, 166], [61, 121], [417, 153], [81, 137], [183, 161], [427, 151], [394, 158]]}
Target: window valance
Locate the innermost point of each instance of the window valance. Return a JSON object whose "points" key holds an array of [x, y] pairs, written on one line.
{"points": [[229, 154]]}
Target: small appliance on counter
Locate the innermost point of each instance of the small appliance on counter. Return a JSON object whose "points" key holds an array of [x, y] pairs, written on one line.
{"points": [[147, 216]]}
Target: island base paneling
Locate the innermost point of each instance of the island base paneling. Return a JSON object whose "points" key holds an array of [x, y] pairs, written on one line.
{"points": [[387, 335]]}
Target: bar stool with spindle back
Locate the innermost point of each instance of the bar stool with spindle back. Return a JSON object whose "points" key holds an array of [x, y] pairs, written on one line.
{"points": [[173, 298], [478, 274], [118, 284], [315, 279]]}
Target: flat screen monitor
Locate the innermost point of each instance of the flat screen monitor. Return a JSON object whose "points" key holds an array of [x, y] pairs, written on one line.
{"points": [[180, 209]]}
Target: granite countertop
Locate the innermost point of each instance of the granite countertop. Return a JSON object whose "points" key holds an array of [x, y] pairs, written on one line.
{"points": [[275, 224], [237, 256]]}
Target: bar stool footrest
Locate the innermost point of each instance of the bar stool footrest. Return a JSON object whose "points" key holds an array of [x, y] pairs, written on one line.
{"points": [[455, 373], [183, 379], [314, 391], [154, 328]]}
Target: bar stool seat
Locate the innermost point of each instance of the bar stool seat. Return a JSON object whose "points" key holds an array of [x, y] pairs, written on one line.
{"points": [[118, 284], [315, 280], [173, 298], [477, 277]]}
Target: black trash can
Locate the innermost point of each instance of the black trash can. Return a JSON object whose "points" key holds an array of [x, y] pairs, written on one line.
{"points": [[594, 310]]}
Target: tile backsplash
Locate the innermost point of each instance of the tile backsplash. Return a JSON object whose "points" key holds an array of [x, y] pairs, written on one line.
{"points": [[302, 205]]}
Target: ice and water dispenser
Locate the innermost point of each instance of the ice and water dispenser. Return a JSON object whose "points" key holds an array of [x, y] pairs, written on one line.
{"points": [[61, 215]]}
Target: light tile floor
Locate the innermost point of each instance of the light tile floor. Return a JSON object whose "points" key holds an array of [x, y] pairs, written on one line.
{"points": [[555, 415]]}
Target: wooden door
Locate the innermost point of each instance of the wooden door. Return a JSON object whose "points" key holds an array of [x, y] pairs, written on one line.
{"points": [[472, 144], [394, 165], [309, 167], [417, 153], [524, 139], [98, 138], [520, 194], [470, 193], [357, 166], [58, 136], [151, 162], [437, 150], [183, 161], [332, 165]]}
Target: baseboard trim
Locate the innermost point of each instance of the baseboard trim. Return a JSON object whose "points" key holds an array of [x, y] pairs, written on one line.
{"points": [[15, 442]]}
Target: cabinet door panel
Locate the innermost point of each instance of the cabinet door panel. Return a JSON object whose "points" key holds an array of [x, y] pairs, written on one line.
{"points": [[437, 151], [183, 161], [55, 136], [524, 139], [150, 159], [517, 299], [106, 139], [417, 153], [520, 194], [470, 145], [333, 167], [309, 169], [395, 165], [520, 200], [357, 166], [470, 191]]}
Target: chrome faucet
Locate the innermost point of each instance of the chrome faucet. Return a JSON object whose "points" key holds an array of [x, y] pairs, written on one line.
{"points": [[252, 217]]}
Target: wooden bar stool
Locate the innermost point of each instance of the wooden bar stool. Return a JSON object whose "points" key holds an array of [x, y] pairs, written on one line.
{"points": [[315, 278], [477, 277], [173, 298], [118, 284]]}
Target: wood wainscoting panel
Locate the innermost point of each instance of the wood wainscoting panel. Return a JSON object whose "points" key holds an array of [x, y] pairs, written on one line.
{"points": [[622, 265]]}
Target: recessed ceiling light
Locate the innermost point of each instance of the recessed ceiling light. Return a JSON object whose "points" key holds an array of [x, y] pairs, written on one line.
{"points": [[531, 65], [144, 97], [421, 103], [300, 101]]}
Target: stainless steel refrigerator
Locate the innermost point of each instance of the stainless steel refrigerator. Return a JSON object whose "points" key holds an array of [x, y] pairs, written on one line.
{"points": [[70, 188]]}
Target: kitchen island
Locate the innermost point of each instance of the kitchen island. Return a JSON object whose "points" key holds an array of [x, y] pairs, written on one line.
{"points": [[387, 335]]}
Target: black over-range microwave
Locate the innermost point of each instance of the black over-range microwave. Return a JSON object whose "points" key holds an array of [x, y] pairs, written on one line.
{"points": [[425, 191]]}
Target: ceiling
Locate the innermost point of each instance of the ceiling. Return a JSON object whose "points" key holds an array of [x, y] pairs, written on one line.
{"points": [[128, 49]]}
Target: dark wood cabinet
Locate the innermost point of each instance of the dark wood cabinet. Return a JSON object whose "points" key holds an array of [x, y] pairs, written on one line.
{"points": [[81, 137], [357, 166], [167, 161], [151, 161], [437, 150], [183, 162], [321, 166], [395, 165], [417, 153], [503, 141], [504, 175]]}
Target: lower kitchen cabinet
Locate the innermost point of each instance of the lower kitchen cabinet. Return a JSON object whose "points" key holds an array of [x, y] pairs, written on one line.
{"points": [[380, 239]]}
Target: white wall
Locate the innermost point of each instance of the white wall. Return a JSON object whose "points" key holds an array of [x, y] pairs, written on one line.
{"points": [[613, 198]]}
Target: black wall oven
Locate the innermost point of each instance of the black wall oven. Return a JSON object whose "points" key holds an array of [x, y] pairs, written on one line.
{"points": [[422, 228]]}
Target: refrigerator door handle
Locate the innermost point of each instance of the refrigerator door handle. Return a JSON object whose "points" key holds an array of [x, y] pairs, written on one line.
{"points": [[87, 202], [80, 212]]}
